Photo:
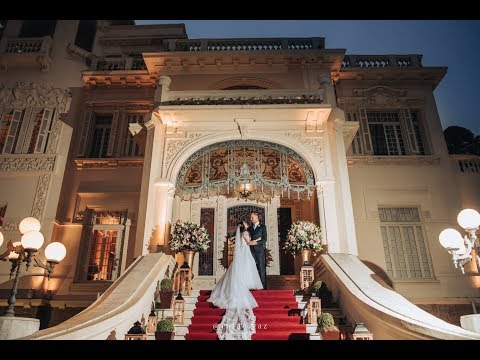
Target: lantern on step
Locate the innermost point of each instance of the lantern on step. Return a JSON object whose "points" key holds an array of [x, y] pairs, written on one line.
{"points": [[179, 309], [136, 332], [306, 277], [185, 277], [361, 332], [314, 309], [152, 322]]}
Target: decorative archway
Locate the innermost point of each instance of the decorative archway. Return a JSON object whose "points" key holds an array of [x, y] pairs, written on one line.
{"points": [[249, 169]]}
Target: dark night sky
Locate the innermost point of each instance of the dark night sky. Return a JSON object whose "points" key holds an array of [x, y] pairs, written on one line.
{"points": [[451, 43]]}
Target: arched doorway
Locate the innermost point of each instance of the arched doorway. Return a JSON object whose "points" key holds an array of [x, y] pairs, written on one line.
{"points": [[222, 182]]}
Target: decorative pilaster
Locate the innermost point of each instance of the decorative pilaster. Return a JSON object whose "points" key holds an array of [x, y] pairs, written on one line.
{"points": [[163, 210], [331, 225]]}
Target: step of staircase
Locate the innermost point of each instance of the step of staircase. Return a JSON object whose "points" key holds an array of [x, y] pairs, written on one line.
{"points": [[283, 282], [277, 317]]}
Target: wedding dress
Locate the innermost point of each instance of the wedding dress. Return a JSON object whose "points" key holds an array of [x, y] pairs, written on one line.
{"points": [[233, 293]]}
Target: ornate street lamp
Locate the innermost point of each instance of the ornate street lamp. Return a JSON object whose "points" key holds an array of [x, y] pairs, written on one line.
{"points": [[24, 251], [461, 248]]}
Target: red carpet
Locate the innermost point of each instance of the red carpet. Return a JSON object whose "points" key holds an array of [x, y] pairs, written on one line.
{"points": [[276, 318]]}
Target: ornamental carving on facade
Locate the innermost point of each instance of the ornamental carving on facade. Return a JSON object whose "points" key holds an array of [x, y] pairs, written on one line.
{"points": [[175, 144], [21, 164], [381, 96], [21, 95], [40, 196], [313, 143], [266, 169]]}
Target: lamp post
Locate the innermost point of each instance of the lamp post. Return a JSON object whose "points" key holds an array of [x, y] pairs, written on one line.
{"points": [[461, 247], [24, 251]]}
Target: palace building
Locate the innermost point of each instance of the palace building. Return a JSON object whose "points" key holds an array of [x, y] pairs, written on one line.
{"points": [[111, 132]]}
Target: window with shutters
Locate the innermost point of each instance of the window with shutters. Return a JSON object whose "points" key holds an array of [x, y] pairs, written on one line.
{"points": [[25, 131], [356, 146], [403, 243], [9, 130], [39, 131], [103, 236], [392, 133], [419, 132], [385, 133], [101, 136], [130, 147]]}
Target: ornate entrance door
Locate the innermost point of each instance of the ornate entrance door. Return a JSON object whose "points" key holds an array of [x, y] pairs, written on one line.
{"points": [[234, 215]]}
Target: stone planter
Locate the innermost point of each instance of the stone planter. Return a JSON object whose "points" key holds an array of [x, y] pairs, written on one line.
{"points": [[166, 299], [164, 335], [330, 335]]}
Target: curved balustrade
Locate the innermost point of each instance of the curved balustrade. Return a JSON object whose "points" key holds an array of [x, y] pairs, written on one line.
{"points": [[127, 300]]}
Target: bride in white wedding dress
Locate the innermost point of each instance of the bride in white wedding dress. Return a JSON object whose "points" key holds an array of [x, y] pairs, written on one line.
{"points": [[232, 291]]}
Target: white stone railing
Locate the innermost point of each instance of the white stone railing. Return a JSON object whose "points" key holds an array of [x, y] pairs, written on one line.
{"points": [[117, 64], [386, 313], [381, 61], [246, 44], [273, 95], [28, 45], [127, 300], [468, 163]]}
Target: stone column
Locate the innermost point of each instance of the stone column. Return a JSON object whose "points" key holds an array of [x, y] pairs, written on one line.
{"points": [[331, 225], [152, 164], [326, 83], [163, 214], [123, 260], [345, 196], [321, 212], [161, 93]]}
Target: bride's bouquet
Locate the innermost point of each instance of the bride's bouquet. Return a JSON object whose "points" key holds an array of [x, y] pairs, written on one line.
{"points": [[303, 235], [189, 236]]}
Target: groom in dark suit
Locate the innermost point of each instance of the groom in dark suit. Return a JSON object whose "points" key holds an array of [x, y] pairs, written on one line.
{"points": [[258, 234]]}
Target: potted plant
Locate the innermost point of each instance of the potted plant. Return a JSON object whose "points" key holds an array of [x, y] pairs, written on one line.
{"points": [[165, 330], [303, 237], [326, 325], [165, 295], [189, 238], [316, 287]]}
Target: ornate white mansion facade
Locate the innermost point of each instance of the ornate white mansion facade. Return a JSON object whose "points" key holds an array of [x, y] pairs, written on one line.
{"points": [[111, 132]]}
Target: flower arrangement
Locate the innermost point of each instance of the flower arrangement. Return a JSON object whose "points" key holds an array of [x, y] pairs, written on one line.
{"points": [[189, 236], [303, 235]]}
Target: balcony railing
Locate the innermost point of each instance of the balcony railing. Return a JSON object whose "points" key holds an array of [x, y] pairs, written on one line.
{"points": [[116, 64], [244, 97], [26, 51], [381, 61], [468, 163], [267, 44]]}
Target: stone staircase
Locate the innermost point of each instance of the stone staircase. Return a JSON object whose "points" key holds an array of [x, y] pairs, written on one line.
{"points": [[283, 282]]}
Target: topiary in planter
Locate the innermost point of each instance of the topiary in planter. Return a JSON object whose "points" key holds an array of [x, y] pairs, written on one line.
{"points": [[165, 297], [165, 330], [165, 326], [166, 285], [316, 286], [326, 325]]}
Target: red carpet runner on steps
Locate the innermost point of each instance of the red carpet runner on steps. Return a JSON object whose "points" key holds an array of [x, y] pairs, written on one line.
{"points": [[276, 317]]}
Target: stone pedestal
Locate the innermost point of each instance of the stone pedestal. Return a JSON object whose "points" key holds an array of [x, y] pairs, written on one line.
{"points": [[17, 327], [471, 322]]}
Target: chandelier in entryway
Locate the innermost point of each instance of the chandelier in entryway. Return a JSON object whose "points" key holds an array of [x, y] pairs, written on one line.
{"points": [[249, 169]]}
